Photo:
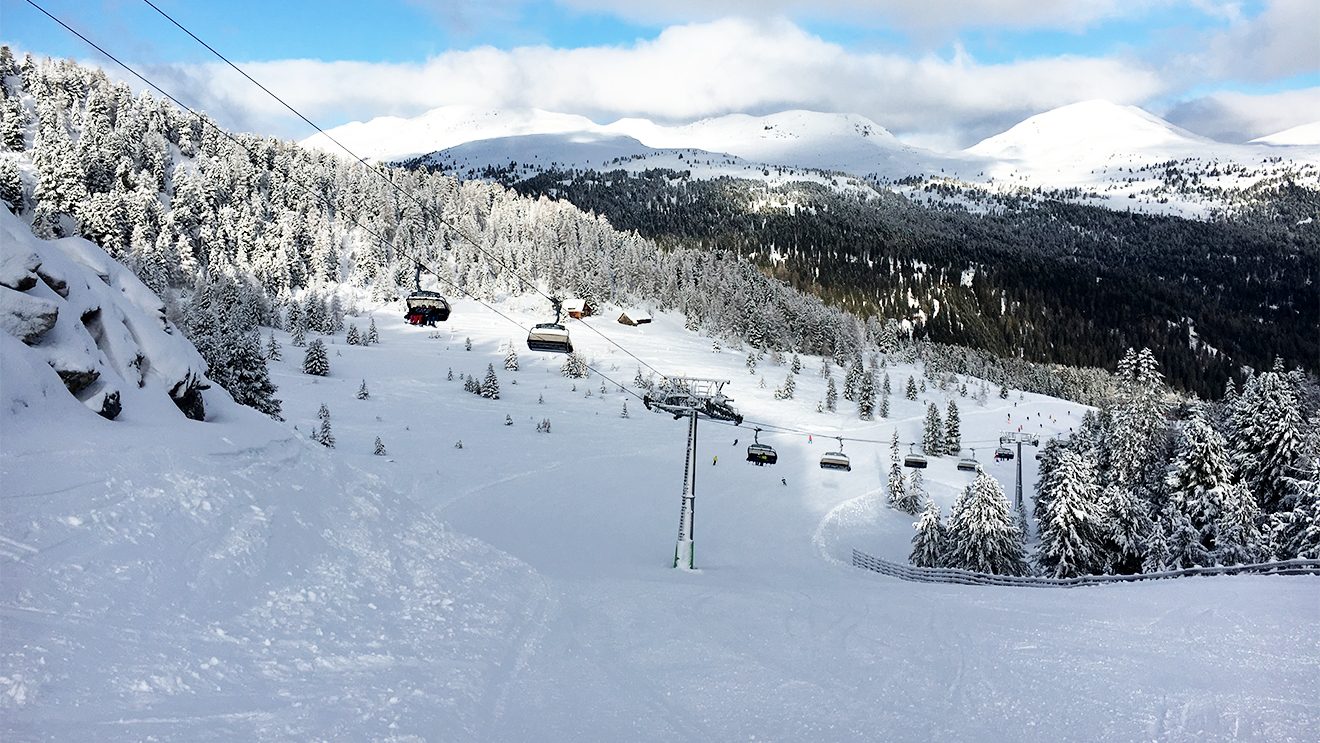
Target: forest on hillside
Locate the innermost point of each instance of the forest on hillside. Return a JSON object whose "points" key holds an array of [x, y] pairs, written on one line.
{"points": [[1047, 281]]}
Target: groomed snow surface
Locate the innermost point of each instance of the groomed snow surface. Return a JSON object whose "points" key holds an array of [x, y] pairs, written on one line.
{"points": [[166, 579]]}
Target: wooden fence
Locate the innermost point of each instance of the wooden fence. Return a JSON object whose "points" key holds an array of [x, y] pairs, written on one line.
{"points": [[970, 578]]}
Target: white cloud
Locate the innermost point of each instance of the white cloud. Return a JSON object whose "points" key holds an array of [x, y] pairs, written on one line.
{"points": [[908, 14], [1282, 40], [1239, 117], [697, 70]]}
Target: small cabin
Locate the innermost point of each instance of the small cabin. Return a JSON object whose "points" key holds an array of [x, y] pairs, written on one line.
{"points": [[578, 308], [634, 318]]}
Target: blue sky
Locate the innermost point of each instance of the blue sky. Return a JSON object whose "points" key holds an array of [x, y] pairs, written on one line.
{"points": [[939, 72]]}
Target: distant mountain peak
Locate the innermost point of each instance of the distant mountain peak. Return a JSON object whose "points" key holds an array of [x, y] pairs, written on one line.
{"points": [[1094, 126]]}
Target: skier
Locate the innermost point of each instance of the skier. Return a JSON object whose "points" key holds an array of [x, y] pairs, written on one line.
{"points": [[715, 461], [784, 480], [735, 442]]}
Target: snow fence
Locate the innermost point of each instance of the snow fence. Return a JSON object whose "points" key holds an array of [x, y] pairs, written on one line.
{"points": [[969, 578]]}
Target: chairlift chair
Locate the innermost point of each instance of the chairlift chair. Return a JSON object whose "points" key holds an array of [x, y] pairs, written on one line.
{"points": [[968, 464], [550, 336], [1003, 453], [761, 454], [836, 460], [426, 308], [915, 461]]}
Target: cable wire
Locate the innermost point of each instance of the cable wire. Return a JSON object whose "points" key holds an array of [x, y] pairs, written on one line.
{"points": [[313, 192], [407, 194]]}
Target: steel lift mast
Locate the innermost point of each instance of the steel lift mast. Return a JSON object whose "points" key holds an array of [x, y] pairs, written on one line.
{"points": [[1019, 438], [691, 398]]}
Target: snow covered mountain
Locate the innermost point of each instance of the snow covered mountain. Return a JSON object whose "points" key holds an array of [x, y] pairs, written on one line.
{"points": [[1095, 130], [1094, 151], [1301, 135], [393, 138]]}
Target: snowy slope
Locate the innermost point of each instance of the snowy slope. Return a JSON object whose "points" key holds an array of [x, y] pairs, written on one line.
{"points": [[232, 580], [1303, 134]]}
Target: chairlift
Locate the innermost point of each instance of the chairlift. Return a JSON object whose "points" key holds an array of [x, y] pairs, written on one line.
{"points": [[426, 308], [968, 464], [550, 336], [915, 461], [761, 454], [1003, 453], [836, 460]]}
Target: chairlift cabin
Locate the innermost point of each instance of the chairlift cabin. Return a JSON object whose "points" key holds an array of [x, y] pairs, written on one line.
{"points": [[549, 336], [969, 463], [1003, 453], [761, 454], [915, 461], [836, 460], [426, 308]]}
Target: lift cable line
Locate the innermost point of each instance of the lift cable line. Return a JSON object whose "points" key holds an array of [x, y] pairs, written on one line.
{"points": [[406, 193], [313, 192]]}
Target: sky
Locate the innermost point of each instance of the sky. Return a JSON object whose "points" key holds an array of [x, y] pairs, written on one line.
{"points": [[937, 73]]}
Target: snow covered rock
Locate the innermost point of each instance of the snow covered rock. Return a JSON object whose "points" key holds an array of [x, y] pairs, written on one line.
{"points": [[94, 323], [24, 317]]}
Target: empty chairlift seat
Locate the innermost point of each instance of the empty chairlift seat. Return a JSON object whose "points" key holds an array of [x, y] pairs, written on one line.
{"points": [[836, 460], [967, 464], [915, 461], [549, 336], [1003, 453]]}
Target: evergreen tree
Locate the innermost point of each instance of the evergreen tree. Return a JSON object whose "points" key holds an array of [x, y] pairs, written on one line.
{"points": [[866, 397], [1138, 423], [467, 344], [1238, 537], [373, 335], [353, 337], [796, 365], [885, 389], [323, 412], [1003, 392], [852, 380], [1267, 440], [363, 393], [1130, 529], [911, 392], [1296, 533], [928, 544], [273, 350], [316, 361], [575, 367], [831, 396], [932, 440], [490, 386], [914, 495], [323, 435], [984, 535], [248, 379], [299, 336], [624, 413], [1186, 547], [511, 358], [786, 392], [751, 362], [897, 485], [1199, 479], [1073, 535], [1046, 471], [952, 430], [380, 448]]}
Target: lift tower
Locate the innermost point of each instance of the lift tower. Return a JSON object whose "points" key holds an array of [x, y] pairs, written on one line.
{"points": [[1019, 438], [691, 398]]}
